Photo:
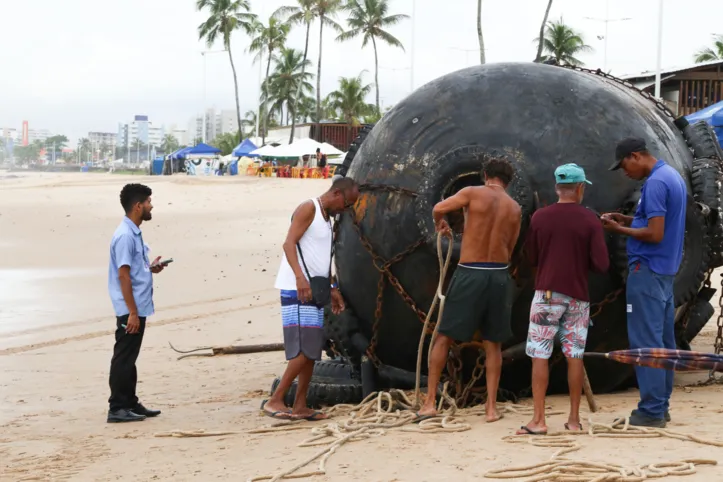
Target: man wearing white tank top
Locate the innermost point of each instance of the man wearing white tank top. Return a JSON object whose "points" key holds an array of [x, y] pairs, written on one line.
{"points": [[307, 260]]}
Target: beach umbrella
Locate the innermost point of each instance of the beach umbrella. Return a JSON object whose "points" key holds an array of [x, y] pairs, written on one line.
{"points": [[667, 359]]}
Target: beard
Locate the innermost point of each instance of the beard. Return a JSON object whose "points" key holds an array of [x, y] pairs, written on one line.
{"points": [[146, 215]]}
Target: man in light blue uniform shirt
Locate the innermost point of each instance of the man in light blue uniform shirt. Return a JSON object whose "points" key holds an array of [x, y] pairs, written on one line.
{"points": [[130, 285], [655, 250]]}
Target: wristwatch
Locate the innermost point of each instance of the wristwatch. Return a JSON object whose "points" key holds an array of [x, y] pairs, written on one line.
{"points": [[334, 286]]}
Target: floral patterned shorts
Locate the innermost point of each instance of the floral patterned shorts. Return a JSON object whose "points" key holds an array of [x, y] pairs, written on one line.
{"points": [[561, 316]]}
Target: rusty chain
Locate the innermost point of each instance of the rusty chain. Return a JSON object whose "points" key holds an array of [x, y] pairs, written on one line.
{"points": [[658, 103], [718, 344], [383, 266]]}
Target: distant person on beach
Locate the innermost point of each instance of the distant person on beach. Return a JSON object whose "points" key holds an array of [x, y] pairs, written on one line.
{"points": [[564, 243], [655, 250], [480, 293], [306, 286], [130, 284]]}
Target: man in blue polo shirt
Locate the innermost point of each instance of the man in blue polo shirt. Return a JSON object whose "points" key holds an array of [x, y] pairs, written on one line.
{"points": [[130, 285], [655, 250]]}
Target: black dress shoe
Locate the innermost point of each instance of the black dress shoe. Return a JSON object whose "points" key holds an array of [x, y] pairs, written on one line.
{"points": [[123, 415], [141, 410]]}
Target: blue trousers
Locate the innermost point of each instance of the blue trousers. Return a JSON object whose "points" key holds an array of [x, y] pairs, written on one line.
{"points": [[651, 320]]}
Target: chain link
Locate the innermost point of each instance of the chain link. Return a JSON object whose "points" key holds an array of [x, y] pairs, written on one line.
{"points": [[383, 266], [658, 103], [596, 308]]}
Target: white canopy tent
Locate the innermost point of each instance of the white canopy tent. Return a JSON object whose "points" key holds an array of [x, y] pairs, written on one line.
{"points": [[330, 150], [298, 148], [267, 150]]}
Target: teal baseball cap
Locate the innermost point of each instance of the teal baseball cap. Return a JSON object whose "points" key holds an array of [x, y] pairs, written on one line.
{"points": [[570, 174]]}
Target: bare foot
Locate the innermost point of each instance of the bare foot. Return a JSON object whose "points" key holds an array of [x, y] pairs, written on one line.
{"points": [[493, 416], [427, 411], [533, 428]]}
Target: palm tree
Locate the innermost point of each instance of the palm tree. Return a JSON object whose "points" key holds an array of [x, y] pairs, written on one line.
{"points": [[368, 18], [269, 37], [226, 16], [562, 43], [350, 100], [302, 14], [169, 143], [541, 40], [226, 142], [325, 10], [289, 77], [306, 109], [479, 33], [707, 54]]}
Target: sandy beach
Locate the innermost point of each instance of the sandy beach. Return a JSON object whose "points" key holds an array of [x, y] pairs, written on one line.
{"points": [[225, 235]]}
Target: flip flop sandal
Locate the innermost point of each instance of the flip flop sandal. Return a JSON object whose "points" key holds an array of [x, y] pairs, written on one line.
{"points": [[313, 417], [567, 427], [275, 415], [531, 432]]}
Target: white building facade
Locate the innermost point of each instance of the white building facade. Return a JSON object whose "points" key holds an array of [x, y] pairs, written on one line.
{"points": [[140, 129]]}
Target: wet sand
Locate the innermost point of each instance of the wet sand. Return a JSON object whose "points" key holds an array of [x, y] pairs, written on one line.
{"points": [[225, 235]]}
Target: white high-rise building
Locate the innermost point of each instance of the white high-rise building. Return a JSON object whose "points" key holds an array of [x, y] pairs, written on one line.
{"points": [[195, 130], [140, 129], [227, 122], [38, 135]]}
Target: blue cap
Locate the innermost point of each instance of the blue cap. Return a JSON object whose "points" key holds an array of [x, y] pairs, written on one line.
{"points": [[570, 174]]}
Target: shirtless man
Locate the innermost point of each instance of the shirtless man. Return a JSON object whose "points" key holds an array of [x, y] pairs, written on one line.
{"points": [[480, 293]]}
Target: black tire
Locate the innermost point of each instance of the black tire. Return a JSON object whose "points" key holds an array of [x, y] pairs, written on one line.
{"points": [[354, 147], [696, 251], [334, 371], [700, 313], [342, 331], [324, 394], [702, 139], [706, 177]]}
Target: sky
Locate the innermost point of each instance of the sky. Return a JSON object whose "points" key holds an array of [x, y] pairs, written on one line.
{"points": [[86, 65]]}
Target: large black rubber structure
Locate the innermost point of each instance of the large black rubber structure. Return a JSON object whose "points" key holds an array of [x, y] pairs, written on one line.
{"points": [[434, 142]]}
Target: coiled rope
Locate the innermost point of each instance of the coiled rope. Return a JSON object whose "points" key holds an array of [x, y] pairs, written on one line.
{"points": [[562, 469]]}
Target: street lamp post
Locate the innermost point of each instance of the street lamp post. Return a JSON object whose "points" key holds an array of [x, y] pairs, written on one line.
{"points": [[607, 20], [660, 49], [411, 73]]}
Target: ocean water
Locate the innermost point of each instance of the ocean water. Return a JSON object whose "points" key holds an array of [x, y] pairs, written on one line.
{"points": [[31, 298]]}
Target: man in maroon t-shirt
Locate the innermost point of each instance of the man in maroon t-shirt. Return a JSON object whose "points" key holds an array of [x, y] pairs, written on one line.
{"points": [[564, 242]]}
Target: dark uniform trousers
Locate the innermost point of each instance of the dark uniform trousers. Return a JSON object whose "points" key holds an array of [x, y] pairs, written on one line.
{"points": [[123, 374]]}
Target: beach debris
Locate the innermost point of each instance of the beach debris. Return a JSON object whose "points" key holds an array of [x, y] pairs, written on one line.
{"points": [[229, 350]]}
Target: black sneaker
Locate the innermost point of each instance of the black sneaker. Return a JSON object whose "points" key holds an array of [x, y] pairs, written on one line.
{"points": [[667, 416], [123, 415], [639, 419], [141, 410]]}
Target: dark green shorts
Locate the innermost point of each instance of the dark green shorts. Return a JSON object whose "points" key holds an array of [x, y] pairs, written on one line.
{"points": [[478, 299]]}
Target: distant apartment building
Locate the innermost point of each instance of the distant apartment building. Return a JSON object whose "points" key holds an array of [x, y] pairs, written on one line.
{"points": [[9, 133], [195, 129], [226, 122], [213, 124], [140, 129], [103, 138], [39, 135]]}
